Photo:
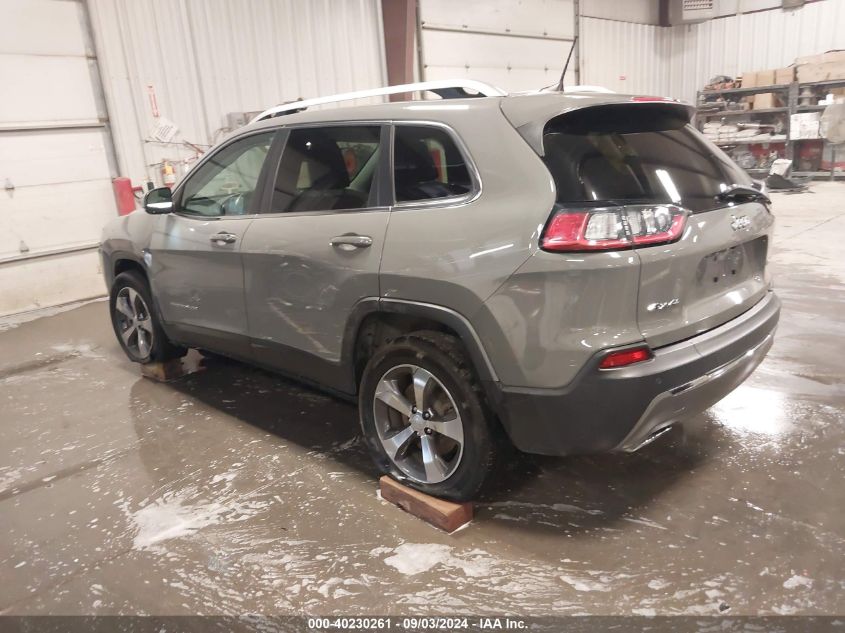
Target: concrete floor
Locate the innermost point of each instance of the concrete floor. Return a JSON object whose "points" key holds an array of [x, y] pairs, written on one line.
{"points": [[234, 491]]}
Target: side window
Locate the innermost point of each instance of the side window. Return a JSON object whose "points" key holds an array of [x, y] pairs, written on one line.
{"points": [[327, 169], [225, 184], [427, 164]]}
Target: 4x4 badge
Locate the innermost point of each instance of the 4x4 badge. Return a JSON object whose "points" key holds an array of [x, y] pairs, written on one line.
{"points": [[662, 305], [739, 223]]}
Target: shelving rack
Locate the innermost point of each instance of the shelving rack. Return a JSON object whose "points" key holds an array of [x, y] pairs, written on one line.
{"points": [[791, 91]]}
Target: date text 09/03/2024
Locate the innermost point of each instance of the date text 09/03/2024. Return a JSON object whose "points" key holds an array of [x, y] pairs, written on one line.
{"points": [[416, 623]]}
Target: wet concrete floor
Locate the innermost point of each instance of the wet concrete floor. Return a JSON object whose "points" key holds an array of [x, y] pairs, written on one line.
{"points": [[234, 491]]}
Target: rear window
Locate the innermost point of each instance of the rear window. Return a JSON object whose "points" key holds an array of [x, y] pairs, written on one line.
{"points": [[631, 154]]}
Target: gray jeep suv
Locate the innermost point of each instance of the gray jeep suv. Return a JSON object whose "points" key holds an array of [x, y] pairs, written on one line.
{"points": [[570, 272]]}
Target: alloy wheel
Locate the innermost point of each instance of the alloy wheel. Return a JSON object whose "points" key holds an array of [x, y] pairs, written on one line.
{"points": [[418, 424], [134, 322]]}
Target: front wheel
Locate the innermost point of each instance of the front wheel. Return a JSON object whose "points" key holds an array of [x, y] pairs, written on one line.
{"points": [[135, 322], [424, 417]]}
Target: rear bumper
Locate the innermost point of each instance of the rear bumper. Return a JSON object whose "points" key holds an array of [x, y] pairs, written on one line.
{"points": [[623, 409]]}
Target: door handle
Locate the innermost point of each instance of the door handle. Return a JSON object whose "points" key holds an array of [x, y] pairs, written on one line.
{"points": [[351, 242], [224, 238]]}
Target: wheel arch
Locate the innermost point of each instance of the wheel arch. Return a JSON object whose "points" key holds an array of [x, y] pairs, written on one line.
{"points": [[373, 322], [121, 262], [125, 264]]}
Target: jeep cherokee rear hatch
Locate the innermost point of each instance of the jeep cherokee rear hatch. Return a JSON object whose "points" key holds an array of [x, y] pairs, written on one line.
{"points": [[636, 176]]}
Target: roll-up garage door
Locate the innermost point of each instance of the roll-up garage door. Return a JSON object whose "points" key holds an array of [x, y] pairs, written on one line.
{"points": [[515, 46], [56, 156]]}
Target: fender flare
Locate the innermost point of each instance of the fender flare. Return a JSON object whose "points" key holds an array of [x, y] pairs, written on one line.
{"points": [[448, 317]]}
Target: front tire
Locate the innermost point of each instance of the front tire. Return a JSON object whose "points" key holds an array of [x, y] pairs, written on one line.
{"points": [[136, 322], [424, 417]]}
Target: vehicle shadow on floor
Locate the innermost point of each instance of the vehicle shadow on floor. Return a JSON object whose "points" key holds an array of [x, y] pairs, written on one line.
{"points": [[575, 494]]}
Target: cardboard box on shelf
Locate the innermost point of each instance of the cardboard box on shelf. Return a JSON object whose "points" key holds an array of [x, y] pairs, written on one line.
{"points": [[785, 75], [809, 59], [833, 56], [749, 79], [811, 73], [765, 78], [765, 100]]}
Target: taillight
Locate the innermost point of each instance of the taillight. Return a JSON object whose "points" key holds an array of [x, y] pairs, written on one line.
{"points": [[611, 228], [623, 358]]}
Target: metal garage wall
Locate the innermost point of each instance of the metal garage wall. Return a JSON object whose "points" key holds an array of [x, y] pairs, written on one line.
{"points": [[513, 46], [625, 57], [751, 41], [56, 156], [677, 61], [206, 58]]}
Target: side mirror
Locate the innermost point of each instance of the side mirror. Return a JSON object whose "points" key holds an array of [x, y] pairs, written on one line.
{"points": [[158, 201]]}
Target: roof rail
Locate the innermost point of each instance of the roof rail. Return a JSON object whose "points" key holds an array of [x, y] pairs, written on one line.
{"points": [[446, 88], [578, 88]]}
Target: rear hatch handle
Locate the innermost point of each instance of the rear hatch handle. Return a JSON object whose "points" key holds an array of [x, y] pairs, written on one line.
{"points": [[743, 193]]}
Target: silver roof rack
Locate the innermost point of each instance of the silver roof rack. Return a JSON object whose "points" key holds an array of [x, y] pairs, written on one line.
{"points": [[446, 88]]}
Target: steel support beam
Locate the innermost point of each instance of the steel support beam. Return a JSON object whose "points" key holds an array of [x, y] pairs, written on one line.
{"points": [[399, 20]]}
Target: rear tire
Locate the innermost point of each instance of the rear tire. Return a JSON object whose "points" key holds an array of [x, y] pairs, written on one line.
{"points": [[424, 416], [136, 323]]}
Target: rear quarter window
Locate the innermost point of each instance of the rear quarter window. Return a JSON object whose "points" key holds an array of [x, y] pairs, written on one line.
{"points": [[632, 154], [427, 165]]}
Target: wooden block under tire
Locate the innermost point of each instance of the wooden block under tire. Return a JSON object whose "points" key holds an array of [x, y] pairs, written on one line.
{"points": [[446, 515], [166, 371]]}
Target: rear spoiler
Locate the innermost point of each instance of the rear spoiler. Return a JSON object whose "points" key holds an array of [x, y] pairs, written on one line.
{"points": [[531, 115]]}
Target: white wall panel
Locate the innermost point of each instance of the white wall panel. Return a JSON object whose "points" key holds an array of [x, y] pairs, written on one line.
{"points": [[47, 88], [513, 63], [50, 281], [552, 18], [205, 58], [55, 216], [47, 157], [55, 152], [624, 56], [515, 46], [43, 27]]}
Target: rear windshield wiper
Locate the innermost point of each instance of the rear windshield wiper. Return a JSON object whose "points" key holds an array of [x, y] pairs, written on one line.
{"points": [[743, 193]]}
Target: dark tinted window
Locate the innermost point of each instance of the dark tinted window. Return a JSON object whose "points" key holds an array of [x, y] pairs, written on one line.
{"points": [[327, 169], [635, 155], [225, 183], [427, 164]]}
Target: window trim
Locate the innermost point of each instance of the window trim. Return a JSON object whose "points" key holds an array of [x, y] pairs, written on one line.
{"points": [[260, 184], [386, 197], [382, 204], [448, 201]]}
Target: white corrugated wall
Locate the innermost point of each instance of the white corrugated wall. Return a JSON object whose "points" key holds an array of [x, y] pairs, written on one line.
{"points": [[206, 58], [677, 61], [753, 41], [624, 56]]}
